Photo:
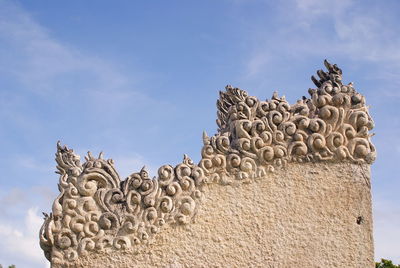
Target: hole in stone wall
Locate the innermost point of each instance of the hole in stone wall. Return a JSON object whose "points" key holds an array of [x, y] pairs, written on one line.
{"points": [[360, 220]]}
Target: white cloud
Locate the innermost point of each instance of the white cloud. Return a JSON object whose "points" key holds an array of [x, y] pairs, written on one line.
{"points": [[326, 28], [386, 230], [257, 62], [39, 61], [31, 163], [20, 245], [33, 58], [80, 87], [12, 198], [35, 62], [314, 8], [365, 37]]}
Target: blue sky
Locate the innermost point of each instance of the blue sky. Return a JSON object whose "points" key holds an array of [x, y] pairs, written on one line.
{"points": [[139, 81]]}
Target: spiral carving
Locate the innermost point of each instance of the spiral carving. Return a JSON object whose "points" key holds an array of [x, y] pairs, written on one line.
{"points": [[95, 210], [98, 211], [332, 125]]}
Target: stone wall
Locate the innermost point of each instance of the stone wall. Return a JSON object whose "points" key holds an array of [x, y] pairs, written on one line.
{"points": [[279, 185]]}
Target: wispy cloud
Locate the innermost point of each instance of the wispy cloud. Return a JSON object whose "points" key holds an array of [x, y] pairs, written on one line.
{"points": [[312, 9], [58, 73], [12, 198], [31, 163], [82, 89], [20, 246], [40, 60], [325, 29], [386, 229], [37, 65]]}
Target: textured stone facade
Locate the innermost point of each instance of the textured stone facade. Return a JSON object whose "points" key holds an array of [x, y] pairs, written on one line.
{"points": [[279, 185]]}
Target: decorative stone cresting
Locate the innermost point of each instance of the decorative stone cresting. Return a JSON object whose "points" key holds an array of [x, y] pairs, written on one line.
{"points": [[96, 211], [255, 136]]}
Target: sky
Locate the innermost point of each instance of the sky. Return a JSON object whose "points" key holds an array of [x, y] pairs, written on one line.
{"points": [[139, 81]]}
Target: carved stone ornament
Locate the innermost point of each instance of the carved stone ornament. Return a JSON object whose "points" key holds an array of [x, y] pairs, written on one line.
{"points": [[96, 211]]}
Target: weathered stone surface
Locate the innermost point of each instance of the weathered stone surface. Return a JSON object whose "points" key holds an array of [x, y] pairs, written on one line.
{"points": [[302, 216], [277, 186]]}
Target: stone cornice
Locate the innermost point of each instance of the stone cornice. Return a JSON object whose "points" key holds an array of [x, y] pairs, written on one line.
{"points": [[96, 211]]}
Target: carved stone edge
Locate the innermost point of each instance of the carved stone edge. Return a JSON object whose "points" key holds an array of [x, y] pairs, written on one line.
{"points": [[96, 211]]}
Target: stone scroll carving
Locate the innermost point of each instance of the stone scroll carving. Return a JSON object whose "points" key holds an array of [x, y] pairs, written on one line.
{"points": [[254, 136], [97, 211]]}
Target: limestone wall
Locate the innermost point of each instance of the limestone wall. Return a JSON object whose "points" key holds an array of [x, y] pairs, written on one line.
{"points": [[303, 216], [279, 185]]}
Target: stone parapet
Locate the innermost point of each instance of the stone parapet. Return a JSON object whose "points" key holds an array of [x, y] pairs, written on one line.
{"points": [[279, 185]]}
